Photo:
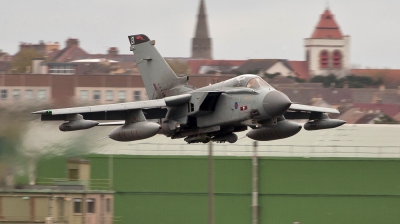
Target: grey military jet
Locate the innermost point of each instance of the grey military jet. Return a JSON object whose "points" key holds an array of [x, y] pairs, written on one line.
{"points": [[178, 110]]}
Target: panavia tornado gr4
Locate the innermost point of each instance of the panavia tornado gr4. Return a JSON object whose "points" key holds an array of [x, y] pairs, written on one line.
{"points": [[178, 110]]}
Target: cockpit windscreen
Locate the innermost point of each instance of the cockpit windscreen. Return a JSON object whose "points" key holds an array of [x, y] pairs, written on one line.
{"points": [[250, 81], [256, 83]]}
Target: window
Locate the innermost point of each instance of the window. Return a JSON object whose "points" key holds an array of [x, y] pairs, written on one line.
{"points": [[90, 205], [109, 95], [323, 59], [73, 174], [337, 59], [4, 94], [28, 94], [96, 94], [121, 96], [62, 69], [77, 205], [61, 208], [84, 94], [16, 94], [108, 205], [42, 94], [136, 96]]}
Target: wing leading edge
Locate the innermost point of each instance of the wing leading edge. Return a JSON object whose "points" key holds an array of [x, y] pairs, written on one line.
{"points": [[306, 108], [107, 107], [299, 111], [152, 109]]}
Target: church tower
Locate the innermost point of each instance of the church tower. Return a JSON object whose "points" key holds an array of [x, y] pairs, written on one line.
{"points": [[327, 50], [201, 43]]}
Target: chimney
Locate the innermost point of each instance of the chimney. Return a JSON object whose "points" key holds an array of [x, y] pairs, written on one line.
{"points": [[79, 170], [70, 42], [113, 51], [38, 66]]}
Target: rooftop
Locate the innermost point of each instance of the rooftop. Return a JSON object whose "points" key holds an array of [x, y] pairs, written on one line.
{"points": [[327, 28]]}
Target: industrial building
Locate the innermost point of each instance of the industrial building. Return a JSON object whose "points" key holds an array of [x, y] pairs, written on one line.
{"points": [[343, 175], [74, 199]]}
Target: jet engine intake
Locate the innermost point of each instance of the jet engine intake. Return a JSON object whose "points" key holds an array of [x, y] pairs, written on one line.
{"points": [[283, 129], [135, 131], [323, 124], [77, 125]]}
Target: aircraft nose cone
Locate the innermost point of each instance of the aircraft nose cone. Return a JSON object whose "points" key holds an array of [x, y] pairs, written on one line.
{"points": [[276, 103]]}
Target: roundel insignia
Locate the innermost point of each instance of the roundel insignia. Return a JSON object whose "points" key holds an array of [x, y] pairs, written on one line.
{"points": [[236, 105]]}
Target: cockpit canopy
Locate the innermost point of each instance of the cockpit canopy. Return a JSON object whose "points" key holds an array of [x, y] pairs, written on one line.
{"points": [[249, 81]]}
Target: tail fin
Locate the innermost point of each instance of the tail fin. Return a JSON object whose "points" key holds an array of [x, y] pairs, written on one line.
{"points": [[159, 79]]}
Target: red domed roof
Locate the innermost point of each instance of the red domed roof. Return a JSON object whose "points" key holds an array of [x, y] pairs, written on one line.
{"points": [[327, 27]]}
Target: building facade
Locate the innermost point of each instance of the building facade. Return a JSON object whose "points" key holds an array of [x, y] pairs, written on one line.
{"points": [[69, 90], [56, 206]]}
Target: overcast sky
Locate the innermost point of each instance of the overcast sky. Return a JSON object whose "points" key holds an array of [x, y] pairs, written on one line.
{"points": [[240, 29]]}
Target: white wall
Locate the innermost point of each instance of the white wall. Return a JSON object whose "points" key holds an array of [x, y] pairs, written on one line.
{"points": [[279, 67], [315, 46]]}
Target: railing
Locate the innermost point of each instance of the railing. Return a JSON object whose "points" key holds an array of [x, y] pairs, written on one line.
{"points": [[71, 219], [22, 219], [91, 184], [94, 219], [357, 151]]}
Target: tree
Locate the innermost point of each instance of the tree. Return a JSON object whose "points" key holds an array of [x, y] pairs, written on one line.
{"points": [[325, 80], [386, 119], [179, 67], [98, 68], [271, 76], [352, 81], [23, 60]]}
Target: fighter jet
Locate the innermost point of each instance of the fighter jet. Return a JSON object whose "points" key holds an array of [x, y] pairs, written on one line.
{"points": [[178, 110]]}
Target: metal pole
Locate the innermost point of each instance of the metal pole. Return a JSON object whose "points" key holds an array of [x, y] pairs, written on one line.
{"points": [[255, 185], [51, 207], [111, 170], [84, 208], [210, 185], [102, 208]]}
